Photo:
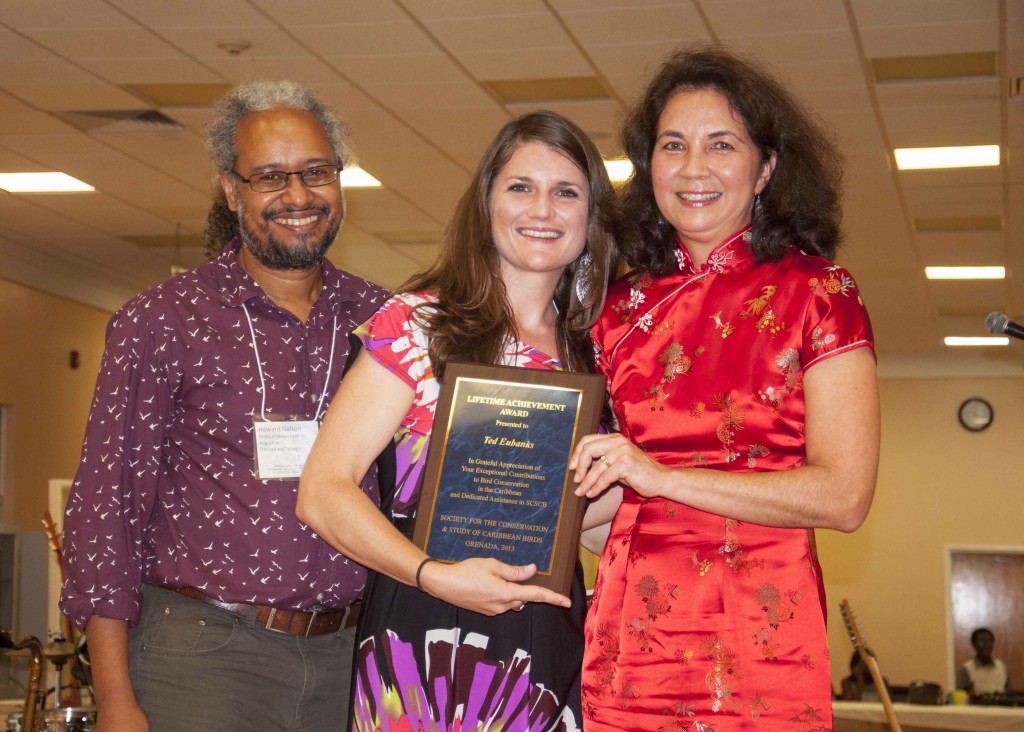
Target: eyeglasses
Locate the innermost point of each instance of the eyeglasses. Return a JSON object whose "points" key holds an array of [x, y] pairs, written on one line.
{"points": [[277, 180]]}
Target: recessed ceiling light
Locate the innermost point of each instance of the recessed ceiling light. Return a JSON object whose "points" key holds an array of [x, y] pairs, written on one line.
{"points": [[356, 177], [931, 158], [976, 341], [619, 169], [42, 183], [965, 273]]}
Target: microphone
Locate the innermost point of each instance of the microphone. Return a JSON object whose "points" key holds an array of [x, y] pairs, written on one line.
{"points": [[999, 324]]}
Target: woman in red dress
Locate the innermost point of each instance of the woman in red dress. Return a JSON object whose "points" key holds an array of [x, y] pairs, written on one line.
{"points": [[741, 369]]}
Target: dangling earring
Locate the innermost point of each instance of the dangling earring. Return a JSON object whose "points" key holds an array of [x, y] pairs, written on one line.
{"points": [[581, 279], [755, 211]]}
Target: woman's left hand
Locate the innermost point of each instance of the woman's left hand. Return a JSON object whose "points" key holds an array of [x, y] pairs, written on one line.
{"points": [[601, 461]]}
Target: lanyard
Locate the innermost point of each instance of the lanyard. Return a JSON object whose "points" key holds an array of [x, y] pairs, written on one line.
{"points": [[259, 367]]}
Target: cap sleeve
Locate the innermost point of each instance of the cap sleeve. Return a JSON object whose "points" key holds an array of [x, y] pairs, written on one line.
{"points": [[836, 320], [395, 341]]}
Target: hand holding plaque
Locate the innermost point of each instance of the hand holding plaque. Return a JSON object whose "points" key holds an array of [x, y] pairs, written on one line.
{"points": [[496, 481]]}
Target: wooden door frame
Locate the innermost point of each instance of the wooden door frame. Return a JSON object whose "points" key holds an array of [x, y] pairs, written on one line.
{"points": [[950, 639]]}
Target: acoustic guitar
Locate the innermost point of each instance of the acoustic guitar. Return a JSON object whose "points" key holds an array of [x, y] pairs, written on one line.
{"points": [[861, 646]]}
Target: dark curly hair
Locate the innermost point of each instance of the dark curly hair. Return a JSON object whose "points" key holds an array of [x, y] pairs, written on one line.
{"points": [[473, 318], [221, 225], [801, 204]]}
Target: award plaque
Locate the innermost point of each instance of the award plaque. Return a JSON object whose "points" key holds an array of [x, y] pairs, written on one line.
{"points": [[497, 482]]}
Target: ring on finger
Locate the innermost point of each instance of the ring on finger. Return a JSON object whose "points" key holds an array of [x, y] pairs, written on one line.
{"points": [[604, 460]]}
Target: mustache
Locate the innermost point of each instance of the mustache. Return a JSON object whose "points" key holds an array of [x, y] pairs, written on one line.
{"points": [[323, 208]]}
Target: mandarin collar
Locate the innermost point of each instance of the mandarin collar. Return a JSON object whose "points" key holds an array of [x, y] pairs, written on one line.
{"points": [[727, 255]]}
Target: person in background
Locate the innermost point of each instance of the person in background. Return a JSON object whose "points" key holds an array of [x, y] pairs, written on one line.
{"points": [[860, 685], [206, 603], [983, 674], [740, 363], [522, 274]]}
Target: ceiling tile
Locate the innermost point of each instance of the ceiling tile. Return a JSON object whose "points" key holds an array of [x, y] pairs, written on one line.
{"points": [[517, 34]]}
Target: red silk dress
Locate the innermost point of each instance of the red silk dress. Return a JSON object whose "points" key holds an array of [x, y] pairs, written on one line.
{"points": [[698, 621]]}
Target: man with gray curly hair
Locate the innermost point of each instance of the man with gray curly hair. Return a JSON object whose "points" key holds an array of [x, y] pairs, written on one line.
{"points": [[206, 603]]}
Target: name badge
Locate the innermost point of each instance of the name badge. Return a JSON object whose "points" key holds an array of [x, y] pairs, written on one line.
{"points": [[282, 447]]}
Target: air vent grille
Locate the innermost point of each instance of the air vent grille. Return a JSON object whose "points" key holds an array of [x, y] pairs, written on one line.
{"points": [[100, 121]]}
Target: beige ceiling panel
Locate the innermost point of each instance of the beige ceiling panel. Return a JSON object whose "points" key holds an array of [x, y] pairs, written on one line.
{"points": [[365, 39], [75, 96], [741, 17], [432, 10], [539, 63], [943, 125], [961, 248], [371, 258], [615, 25], [43, 69], [801, 48], [368, 71], [982, 295], [423, 254], [897, 94], [517, 34], [947, 194], [874, 13], [302, 68], [14, 47], [179, 70], [105, 214], [828, 75], [27, 264], [927, 40], [193, 13], [381, 211], [628, 66], [20, 119], [180, 155], [404, 96], [267, 41], [598, 118], [192, 118], [122, 43], [464, 133], [57, 14], [287, 13]]}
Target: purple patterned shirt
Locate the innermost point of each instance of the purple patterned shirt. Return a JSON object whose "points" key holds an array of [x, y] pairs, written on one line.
{"points": [[166, 491]]}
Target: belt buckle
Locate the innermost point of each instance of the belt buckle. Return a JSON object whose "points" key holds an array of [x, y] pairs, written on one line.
{"points": [[270, 621]]}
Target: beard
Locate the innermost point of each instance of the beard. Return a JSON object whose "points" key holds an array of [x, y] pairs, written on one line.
{"points": [[307, 251]]}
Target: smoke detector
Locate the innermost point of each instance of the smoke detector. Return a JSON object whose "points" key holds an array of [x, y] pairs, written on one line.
{"points": [[234, 48]]}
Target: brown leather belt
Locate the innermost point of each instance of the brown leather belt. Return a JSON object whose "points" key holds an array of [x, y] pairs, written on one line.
{"points": [[292, 622]]}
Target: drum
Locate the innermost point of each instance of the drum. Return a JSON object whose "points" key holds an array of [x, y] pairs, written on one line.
{"points": [[14, 722], [70, 719]]}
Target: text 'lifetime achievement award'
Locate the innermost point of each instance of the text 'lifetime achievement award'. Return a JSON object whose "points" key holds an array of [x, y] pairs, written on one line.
{"points": [[497, 480]]}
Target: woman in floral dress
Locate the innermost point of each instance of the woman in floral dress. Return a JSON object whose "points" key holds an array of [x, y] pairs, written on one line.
{"points": [[522, 276], [741, 370]]}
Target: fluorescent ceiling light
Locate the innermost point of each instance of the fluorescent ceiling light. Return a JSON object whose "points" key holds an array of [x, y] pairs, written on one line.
{"points": [[931, 158], [965, 273], [42, 183], [619, 169], [976, 341], [356, 177]]}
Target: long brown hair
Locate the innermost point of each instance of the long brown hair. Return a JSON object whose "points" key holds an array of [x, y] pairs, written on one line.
{"points": [[473, 319], [801, 204]]}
